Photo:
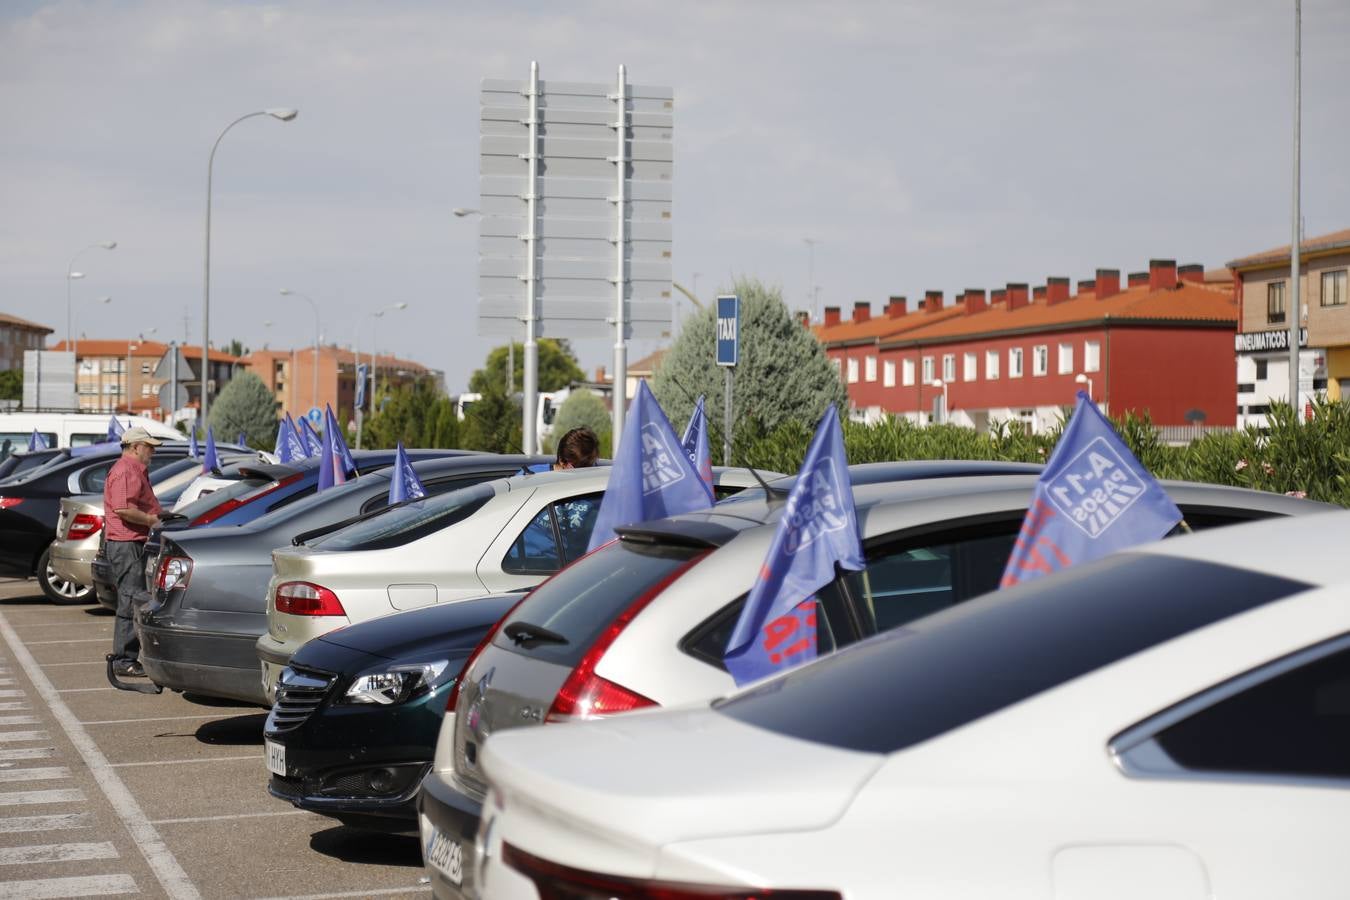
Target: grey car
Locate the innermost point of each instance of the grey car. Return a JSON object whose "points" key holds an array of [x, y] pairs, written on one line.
{"points": [[209, 585], [644, 621]]}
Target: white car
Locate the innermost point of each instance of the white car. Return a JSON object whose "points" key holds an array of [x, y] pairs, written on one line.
{"points": [[1172, 721], [494, 537]]}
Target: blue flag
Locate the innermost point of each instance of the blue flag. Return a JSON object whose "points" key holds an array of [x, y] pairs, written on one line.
{"points": [[115, 430], [36, 441], [241, 439], [1093, 498], [289, 446], [193, 450], [210, 462], [651, 477], [330, 424], [331, 470], [695, 443], [403, 482], [818, 529], [313, 446], [362, 373]]}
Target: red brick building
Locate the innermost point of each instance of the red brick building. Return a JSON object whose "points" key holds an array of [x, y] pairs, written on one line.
{"points": [[1162, 341]]}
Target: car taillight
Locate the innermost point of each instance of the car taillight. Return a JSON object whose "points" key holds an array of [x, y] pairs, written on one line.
{"points": [[453, 697], [584, 694], [7, 502], [234, 503], [174, 572], [84, 525], [555, 881], [300, 598]]}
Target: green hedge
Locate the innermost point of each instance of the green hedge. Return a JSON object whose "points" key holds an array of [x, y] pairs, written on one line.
{"points": [[1311, 457]]}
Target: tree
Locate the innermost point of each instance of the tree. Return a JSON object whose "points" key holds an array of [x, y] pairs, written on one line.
{"points": [[245, 404], [419, 415], [11, 384], [493, 424], [782, 374], [582, 407], [557, 368]]}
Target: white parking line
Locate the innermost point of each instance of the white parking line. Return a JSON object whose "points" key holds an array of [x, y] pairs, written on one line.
{"points": [[195, 759], [82, 886], [11, 693], [415, 889], [10, 737], [34, 773], [40, 853], [18, 720], [82, 662], [161, 859], [24, 798], [12, 704], [100, 640], [58, 822], [27, 753], [259, 815], [159, 719]]}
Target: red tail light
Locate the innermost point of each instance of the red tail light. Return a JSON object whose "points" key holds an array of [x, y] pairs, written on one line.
{"points": [[84, 525], [7, 502], [584, 694], [300, 598], [554, 881], [174, 572], [234, 503], [453, 697]]}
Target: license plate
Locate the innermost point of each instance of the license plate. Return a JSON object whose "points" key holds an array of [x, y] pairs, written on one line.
{"points": [[446, 855], [276, 757]]}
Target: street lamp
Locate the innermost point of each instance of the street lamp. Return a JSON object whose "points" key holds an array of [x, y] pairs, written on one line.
{"points": [[1081, 378], [375, 348], [942, 385], [284, 115], [462, 211], [133, 345], [811, 273], [287, 292], [71, 275]]}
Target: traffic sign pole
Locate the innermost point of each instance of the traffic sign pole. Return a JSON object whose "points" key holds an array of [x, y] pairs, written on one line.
{"points": [[728, 345]]}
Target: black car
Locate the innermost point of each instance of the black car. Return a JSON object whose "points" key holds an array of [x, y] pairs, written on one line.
{"points": [[354, 728], [209, 585], [30, 503]]}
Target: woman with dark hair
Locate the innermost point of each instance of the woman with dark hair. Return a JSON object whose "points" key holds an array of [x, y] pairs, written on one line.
{"points": [[577, 449]]}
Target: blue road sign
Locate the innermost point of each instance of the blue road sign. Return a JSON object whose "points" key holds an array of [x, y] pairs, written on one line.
{"points": [[315, 415], [728, 330]]}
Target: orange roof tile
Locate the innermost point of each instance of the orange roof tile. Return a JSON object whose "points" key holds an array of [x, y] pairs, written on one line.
{"points": [[342, 354], [101, 347], [1186, 303], [1334, 241], [648, 364], [881, 327]]}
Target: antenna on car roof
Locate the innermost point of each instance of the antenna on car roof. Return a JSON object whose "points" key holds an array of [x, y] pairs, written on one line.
{"points": [[771, 493]]}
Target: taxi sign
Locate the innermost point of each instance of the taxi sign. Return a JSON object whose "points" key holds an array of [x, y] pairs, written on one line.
{"points": [[728, 330]]}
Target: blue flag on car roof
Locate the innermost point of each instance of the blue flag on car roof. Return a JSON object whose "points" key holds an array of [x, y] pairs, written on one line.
{"points": [[36, 441], [332, 472], [651, 477], [313, 446], [817, 532], [193, 450], [1093, 498], [330, 423], [210, 462], [241, 438], [695, 443], [404, 483], [115, 430], [289, 446]]}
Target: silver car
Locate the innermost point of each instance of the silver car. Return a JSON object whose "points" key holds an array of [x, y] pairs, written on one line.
{"points": [[644, 621]]}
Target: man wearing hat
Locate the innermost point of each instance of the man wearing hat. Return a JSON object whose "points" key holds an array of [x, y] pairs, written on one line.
{"points": [[130, 510]]}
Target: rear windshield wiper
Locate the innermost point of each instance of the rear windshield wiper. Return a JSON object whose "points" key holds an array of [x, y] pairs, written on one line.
{"points": [[171, 517], [526, 635]]}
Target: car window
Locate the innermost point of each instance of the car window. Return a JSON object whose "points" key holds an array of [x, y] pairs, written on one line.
{"points": [[557, 535], [834, 628], [1296, 723], [12, 441], [85, 440], [409, 522], [93, 478], [435, 487]]}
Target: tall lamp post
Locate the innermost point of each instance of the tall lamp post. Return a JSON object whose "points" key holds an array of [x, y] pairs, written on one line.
{"points": [[1081, 378], [71, 275], [284, 115], [375, 349], [314, 390], [133, 345]]}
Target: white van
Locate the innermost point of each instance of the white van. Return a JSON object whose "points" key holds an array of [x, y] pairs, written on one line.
{"points": [[70, 429]]}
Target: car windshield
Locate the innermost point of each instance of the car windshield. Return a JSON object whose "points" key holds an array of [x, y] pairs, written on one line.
{"points": [[998, 650], [404, 524]]}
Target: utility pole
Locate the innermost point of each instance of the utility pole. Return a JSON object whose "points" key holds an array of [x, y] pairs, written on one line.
{"points": [[1295, 310], [811, 276]]}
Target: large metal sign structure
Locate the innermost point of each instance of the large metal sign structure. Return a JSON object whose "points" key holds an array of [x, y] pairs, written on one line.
{"points": [[575, 232]]}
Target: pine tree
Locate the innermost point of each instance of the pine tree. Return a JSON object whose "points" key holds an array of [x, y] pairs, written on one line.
{"points": [[245, 404], [582, 407]]}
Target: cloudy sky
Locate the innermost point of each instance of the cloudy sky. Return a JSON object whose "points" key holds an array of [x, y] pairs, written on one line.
{"points": [[923, 144]]}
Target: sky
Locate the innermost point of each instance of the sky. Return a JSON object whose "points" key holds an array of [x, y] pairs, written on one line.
{"points": [[920, 145]]}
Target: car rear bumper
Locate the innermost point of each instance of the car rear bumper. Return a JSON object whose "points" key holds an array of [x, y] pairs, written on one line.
{"points": [[446, 814], [208, 663], [274, 656], [72, 561]]}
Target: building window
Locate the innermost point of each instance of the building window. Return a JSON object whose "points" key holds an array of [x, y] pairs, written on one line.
{"points": [[1333, 288], [888, 373], [1092, 356], [852, 371], [1040, 359], [870, 368], [970, 367], [111, 388], [1275, 302], [928, 370], [907, 372], [145, 368], [949, 367], [1066, 359], [145, 390], [1015, 362], [1261, 370], [991, 365]]}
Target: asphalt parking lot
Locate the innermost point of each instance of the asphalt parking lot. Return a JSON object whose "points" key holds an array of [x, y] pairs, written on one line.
{"points": [[106, 792]]}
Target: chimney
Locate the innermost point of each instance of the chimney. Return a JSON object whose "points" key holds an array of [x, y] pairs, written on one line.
{"points": [[862, 311], [1108, 283], [932, 301], [804, 318], [1192, 272], [831, 316], [599, 374], [1038, 292], [1162, 274], [1017, 295], [1138, 278], [974, 300], [895, 307], [1086, 286], [1056, 290]]}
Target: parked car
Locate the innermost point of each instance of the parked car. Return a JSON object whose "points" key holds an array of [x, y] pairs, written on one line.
{"points": [[357, 711], [79, 534], [209, 586], [30, 503], [21, 461], [644, 621], [70, 429], [1169, 721], [498, 536]]}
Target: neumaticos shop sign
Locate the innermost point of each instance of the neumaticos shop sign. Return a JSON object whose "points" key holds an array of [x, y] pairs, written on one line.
{"points": [[1256, 341]]}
